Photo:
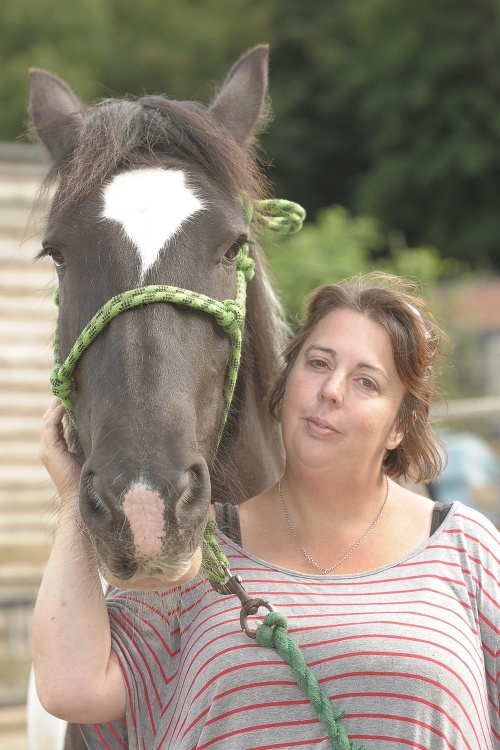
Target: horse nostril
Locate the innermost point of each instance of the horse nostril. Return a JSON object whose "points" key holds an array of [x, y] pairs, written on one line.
{"points": [[95, 510], [193, 489]]}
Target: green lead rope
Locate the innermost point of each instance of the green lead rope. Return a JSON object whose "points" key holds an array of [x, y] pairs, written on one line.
{"points": [[215, 563], [273, 633]]}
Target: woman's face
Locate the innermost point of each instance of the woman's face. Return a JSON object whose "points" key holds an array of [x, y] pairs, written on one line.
{"points": [[343, 395]]}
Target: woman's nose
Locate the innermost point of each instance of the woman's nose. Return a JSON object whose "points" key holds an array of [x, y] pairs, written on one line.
{"points": [[332, 389]]}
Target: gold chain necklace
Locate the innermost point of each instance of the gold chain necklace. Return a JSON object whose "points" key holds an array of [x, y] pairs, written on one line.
{"points": [[308, 557]]}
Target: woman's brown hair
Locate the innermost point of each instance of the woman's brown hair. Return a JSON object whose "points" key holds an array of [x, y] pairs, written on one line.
{"points": [[415, 337]]}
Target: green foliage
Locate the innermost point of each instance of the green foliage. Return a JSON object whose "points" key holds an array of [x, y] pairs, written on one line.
{"points": [[181, 48], [338, 246], [428, 101], [388, 108], [116, 47], [398, 106], [66, 38]]}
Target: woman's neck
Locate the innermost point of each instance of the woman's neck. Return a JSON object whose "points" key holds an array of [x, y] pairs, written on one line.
{"points": [[331, 496]]}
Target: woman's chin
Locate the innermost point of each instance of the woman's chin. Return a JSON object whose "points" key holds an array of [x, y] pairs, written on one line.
{"points": [[156, 583]]}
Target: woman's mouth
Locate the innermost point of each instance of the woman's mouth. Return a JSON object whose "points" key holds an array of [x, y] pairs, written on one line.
{"points": [[319, 428]]}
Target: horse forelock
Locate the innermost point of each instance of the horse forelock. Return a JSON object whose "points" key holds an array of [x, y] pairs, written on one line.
{"points": [[119, 134]]}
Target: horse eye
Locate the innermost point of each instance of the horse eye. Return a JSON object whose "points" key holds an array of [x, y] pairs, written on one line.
{"points": [[232, 252], [57, 257]]}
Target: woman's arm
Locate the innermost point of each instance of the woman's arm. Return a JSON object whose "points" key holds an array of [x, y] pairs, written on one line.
{"points": [[77, 674]]}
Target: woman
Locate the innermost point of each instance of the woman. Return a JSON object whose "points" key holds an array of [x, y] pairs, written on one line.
{"points": [[398, 619]]}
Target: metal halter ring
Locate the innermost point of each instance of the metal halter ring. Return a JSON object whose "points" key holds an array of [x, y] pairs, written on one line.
{"points": [[249, 606]]}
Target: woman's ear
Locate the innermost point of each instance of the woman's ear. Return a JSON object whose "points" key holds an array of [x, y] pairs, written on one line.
{"points": [[395, 437]]}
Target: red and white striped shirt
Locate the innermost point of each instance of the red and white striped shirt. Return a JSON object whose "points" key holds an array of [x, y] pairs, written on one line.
{"points": [[409, 651]]}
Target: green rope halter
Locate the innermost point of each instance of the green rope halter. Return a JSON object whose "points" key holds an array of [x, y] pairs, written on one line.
{"points": [[277, 215]]}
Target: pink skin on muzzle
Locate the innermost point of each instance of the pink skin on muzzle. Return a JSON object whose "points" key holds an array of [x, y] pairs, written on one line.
{"points": [[144, 510]]}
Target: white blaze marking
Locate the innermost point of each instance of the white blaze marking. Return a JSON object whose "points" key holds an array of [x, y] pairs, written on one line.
{"points": [[151, 205]]}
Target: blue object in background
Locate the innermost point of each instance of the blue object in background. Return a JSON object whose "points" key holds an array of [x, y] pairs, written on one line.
{"points": [[471, 476]]}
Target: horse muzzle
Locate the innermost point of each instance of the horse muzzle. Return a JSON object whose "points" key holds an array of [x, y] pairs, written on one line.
{"points": [[145, 534]]}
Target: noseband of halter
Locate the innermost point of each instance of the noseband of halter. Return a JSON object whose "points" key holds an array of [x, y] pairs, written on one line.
{"points": [[276, 215]]}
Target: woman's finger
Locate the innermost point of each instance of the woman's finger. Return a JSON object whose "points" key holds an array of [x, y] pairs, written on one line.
{"points": [[59, 462], [54, 412]]}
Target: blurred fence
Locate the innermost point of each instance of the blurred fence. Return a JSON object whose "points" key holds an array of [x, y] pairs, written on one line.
{"points": [[466, 409], [480, 416], [16, 613], [27, 318], [470, 429]]}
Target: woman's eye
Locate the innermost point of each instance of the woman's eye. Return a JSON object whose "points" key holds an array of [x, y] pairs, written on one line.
{"points": [[317, 363], [367, 383], [232, 252]]}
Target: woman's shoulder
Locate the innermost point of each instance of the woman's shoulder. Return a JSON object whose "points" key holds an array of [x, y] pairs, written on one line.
{"points": [[251, 515], [473, 522], [474, 536], [468, 517]]}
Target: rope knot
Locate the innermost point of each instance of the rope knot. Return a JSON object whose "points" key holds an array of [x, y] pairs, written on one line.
{"points": [[247, 266], [281, 215], [231, 318], [274, 623], [61, 385]]}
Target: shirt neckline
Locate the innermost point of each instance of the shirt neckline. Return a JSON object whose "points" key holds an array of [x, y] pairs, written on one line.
{"points": [[345, 576]]}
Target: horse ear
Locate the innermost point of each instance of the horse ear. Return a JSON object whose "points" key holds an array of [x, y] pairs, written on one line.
{"points": [[55, 113], [241, 102]]}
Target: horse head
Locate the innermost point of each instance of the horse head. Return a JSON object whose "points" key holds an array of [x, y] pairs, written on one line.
{"points": [[155, 194]]}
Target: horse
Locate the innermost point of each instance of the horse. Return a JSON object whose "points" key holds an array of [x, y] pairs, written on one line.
{"points": [[156, 195]]}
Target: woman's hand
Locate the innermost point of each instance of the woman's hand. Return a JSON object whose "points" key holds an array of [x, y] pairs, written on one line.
{"points": [[78, 677], [59, 462]]}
